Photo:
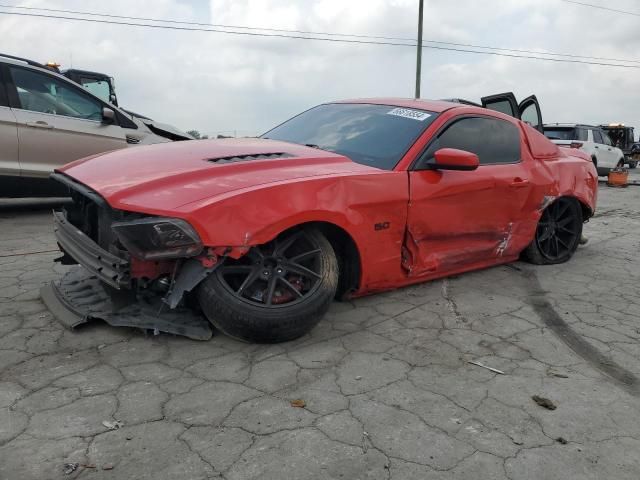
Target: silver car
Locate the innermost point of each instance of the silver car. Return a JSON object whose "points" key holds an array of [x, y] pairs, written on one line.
{"points": [[47, 120]]}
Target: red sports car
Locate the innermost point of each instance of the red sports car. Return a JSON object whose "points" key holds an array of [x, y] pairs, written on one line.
{"points": [[343, 200]]}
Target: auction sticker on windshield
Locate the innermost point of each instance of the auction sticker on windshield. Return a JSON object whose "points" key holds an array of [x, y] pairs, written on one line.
{"points": [[408, 113]]}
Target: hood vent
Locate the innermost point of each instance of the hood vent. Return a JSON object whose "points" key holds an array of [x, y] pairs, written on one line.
{"points": [[132, 140], [255, 156]]}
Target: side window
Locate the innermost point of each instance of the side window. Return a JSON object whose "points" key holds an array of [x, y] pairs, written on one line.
{"points": [[530, 115], [597, 136], [606, 138], [582, 134], [493, 140], [502, 106], [39, 92]]}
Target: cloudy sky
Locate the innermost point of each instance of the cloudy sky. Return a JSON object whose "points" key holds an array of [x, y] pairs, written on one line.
{"points": [[215, 82]]}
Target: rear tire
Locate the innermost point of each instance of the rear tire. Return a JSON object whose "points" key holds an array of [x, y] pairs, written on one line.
{"points": [[633, 164], [558, 233], [277, 292]]}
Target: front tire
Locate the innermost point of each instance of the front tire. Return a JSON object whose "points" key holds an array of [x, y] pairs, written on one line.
{"points": [[558, 233], [277, 292]]}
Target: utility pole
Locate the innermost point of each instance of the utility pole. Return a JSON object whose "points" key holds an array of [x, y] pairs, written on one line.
{"points": [[419, 54]]}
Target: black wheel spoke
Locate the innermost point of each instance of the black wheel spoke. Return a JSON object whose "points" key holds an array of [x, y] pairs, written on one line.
{"points": [[293, 289], [271, 288], [565, 222], [305, 256], [567, 230], [286, 243], [250, 280], [546, 235], [562, 211], [300, 270], [255, 254], [562, 243]]}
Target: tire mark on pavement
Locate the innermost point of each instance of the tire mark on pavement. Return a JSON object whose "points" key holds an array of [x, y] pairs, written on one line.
{"points": [[538, 300]]}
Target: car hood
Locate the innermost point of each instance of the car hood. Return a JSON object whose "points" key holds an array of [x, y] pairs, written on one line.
{"points": [[157, 178]]}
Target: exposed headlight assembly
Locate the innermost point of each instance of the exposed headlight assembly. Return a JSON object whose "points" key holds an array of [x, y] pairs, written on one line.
{"points": [[157, 238]]}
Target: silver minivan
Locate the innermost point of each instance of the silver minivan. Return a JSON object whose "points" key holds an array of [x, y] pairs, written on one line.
{"points": [[47, 120]]}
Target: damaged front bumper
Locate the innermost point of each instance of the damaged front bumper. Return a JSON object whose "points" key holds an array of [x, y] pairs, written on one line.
{"points": [[80, 297], [111, 269], [105, 287]]}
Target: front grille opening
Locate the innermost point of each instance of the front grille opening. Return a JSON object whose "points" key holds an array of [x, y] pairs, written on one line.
{"points": [[255, 156]]}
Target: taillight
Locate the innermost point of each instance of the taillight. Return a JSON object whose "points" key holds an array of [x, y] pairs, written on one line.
{"points": [[576, 145]]}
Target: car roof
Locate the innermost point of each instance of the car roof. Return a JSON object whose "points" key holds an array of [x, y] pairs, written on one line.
{"points": [[436, 106], [83, 72], [568, 125]]}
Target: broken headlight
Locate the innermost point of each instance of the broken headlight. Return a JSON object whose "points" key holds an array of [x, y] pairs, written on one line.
{"points": [[158, 238]]}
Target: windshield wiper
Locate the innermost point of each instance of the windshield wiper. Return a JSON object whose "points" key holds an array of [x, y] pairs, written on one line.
{"points": [[312, 145]]}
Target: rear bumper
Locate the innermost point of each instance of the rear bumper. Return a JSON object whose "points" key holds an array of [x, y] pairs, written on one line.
{"points": [[109, 268]]}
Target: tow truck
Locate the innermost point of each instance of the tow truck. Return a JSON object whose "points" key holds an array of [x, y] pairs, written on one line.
{"points": [[622, 137], [100, 84], [103, 86]]}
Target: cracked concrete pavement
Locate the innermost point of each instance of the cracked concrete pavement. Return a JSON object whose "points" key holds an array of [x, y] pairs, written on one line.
{"points": [[388, 388]]}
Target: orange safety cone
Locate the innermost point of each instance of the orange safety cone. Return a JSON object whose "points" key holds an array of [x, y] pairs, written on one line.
{"points": [[618, 177]]}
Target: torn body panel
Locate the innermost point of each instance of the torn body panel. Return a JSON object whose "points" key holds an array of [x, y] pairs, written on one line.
{"points": [[80, 298]]}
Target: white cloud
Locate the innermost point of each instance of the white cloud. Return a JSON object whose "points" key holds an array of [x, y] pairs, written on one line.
{"points": [[216, 82]]}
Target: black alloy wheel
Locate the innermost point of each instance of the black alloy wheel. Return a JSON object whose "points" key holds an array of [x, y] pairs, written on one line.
{"points": [[277, 292], [280, 273], [558, 232]]}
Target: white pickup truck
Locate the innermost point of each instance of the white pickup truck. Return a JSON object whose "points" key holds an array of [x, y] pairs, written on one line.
{"points": [[592, 140]]}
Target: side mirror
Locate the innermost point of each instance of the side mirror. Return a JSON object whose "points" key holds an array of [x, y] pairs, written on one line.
{"points": [[108, 116], [454, 159]]}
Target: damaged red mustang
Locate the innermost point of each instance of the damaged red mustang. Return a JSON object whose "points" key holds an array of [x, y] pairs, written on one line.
{"points": [[343, 200]]}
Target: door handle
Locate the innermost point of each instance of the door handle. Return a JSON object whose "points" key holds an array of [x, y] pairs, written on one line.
{"points": [[519, 183], [39, 124]]}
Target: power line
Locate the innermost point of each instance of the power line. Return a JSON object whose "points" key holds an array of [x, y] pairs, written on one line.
{"points": [[600, 7], [333, 40], [325, 34]]}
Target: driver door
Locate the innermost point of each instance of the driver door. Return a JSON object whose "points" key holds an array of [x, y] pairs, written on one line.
{"points": [[458, 219], [57, 122]]}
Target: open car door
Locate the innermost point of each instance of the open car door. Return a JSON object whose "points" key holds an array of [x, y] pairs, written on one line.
{"points": [[502, 102], [529, 112]]}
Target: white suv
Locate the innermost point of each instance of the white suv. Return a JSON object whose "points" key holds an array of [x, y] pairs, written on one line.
{"points": [[47, 120], [592, 140]]}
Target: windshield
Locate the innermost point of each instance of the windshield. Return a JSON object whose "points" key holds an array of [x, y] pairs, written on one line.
{"points": [[99, 87], [374, 135], [561, 133]]}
